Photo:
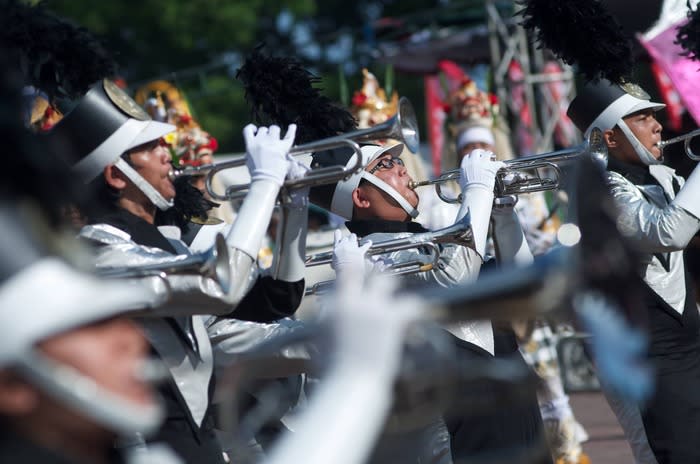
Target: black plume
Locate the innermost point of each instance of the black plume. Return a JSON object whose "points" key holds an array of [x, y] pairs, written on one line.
{"points": [[54, 55], [689, 34], [190, 203], [581, 32], [280, 91]]}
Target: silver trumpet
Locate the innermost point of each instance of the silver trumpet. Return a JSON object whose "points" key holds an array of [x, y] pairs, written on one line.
{"points": [[213, 263], [686, 139], [459, 233], [514, 178], [402, 127], [408, 267]]}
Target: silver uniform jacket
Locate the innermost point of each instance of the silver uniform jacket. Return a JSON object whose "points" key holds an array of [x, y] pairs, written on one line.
{"points": [[189, 295], [458, 265], [657, 229]]}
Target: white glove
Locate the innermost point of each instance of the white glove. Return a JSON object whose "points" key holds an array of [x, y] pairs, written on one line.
{"points": [[299, 197], [479, 168], [370, 330], [266, 153], [348, 255]]}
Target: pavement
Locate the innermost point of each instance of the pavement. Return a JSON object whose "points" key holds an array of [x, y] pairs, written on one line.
{"points": [[607, 443]]}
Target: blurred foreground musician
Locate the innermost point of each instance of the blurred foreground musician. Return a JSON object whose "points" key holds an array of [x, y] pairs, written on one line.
{"points": [[379, 204], [660, 214]]}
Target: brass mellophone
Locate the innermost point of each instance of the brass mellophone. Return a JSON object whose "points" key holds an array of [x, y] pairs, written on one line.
{"points": [[402, 127], [213, 263], [686, 139], [514, 178]]}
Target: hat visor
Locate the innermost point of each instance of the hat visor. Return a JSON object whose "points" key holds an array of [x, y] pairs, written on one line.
{"points": [[645, 105], [68, 299], [394, 150], [152, 130]]}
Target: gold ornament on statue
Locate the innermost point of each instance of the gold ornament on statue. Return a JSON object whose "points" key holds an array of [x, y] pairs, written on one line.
{"points": [[370, 105]]}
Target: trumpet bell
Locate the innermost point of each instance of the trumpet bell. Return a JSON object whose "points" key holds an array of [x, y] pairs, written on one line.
{"points": [[213, 263], [217, 264]]}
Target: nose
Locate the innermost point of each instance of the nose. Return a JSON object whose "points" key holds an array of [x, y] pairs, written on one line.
{"points": [[165, 154], [402, 169]]}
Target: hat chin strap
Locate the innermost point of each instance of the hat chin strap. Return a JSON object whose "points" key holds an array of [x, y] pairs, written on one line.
{"points": [[82, 394], [391, 191], [642, 152], [143, 185]]}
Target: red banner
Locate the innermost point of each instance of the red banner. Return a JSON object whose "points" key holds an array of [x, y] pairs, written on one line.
{"points": [[435, 113]]}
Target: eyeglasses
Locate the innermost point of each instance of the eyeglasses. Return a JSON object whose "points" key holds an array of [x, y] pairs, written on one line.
{"points": [[386, 163]]}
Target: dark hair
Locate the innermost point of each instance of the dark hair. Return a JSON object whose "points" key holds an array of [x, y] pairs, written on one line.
{"points": [[101, 198]]}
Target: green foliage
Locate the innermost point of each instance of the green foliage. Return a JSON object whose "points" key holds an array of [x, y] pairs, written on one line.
{"points": [[188, 43]]}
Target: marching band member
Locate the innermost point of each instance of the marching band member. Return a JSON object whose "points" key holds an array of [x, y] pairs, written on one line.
{"points": [[370, 106], [477, 126], [379, 204], [123, 155], [659, 214], [73, 369], [74, 372]]}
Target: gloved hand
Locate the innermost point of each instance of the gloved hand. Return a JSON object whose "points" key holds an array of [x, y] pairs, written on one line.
{"points": [[479, 168], [299, 197], [266, 153], [348, 255], [369, 331]]}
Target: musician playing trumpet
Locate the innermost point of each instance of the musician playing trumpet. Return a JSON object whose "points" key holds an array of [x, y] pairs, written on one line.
{"points": [[659, 213], [379, 204], [124, 157]]}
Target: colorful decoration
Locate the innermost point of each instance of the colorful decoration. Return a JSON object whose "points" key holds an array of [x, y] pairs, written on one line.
{"points": [[468, 103], [43, 115], [370, 105]]}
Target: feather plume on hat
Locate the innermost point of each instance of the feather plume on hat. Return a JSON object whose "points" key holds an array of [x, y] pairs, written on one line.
{"points": [[281, 91], [55, 55], [581, 32], [689, 34]]}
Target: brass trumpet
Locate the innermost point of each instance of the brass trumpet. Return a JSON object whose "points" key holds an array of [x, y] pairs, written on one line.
{"points": [[513, 179], [686, 139], [213, 263], [402, 126]]}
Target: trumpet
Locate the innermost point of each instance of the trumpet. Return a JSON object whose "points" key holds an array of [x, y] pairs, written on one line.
{"points": [[407, 267], [513, 179], [459, 233], [686, 139], [213, 263], [402, 126]]}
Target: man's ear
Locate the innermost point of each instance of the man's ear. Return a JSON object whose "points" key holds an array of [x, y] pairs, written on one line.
{"points": [[114, 177], [610, 138], [360, 199]]}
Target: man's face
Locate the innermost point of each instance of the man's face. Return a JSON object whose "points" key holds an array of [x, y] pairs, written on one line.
{"points": [[152, 162], [384, 206], [110, 352], [646, 128], [468, 148]]}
